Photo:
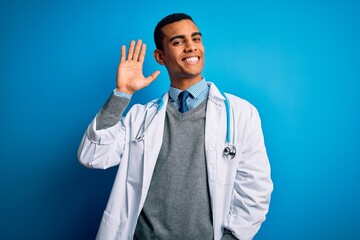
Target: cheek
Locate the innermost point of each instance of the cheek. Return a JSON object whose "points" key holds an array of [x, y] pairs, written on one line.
{"points": [[175, 59], [202, 49]]}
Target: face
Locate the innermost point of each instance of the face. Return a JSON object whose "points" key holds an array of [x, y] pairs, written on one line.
{"points": [[183, 51]]}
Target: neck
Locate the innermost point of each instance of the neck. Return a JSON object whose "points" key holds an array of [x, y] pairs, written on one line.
{"points": [[184, 83]]}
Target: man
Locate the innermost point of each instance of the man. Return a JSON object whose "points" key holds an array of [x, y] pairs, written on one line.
{"points": [[192, 164]]}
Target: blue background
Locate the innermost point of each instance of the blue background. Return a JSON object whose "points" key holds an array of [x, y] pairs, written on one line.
{"points": [[298, 62]]}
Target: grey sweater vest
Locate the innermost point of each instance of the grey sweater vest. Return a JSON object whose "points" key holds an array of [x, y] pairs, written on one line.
{"points": [[178, 202]]}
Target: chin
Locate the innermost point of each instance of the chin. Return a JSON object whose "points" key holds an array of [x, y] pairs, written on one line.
{"points": [[195, 71]]}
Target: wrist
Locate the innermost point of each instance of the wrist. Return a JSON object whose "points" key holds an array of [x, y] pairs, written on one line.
{"points": [[124, 90]]}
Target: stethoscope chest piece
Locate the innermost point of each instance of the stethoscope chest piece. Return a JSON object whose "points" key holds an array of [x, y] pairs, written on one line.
{"points": [[230, 151]]}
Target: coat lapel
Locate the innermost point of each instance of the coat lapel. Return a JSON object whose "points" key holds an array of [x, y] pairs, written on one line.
{"points": [[215, 115]]}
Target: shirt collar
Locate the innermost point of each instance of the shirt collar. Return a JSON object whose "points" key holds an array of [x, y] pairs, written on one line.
{"points": [[194, 90]]}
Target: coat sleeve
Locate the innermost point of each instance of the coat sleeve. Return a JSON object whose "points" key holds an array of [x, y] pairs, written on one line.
{"points": [[252, 186], [103, 142], [102, 148]]}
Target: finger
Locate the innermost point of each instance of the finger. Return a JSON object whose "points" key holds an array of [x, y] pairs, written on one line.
{"points": [[131, 50], [142, 53], [137, 50], [123, 53], [153, 76]]}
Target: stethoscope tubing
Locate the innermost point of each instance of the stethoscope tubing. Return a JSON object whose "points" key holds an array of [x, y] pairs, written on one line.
{"points": [[228, 122], [229, 151]]}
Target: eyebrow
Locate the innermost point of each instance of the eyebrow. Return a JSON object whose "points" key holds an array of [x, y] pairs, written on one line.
{"points": [[183, 36]]}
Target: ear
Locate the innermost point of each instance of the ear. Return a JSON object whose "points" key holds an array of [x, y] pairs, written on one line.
{"points": [[159, 56]]}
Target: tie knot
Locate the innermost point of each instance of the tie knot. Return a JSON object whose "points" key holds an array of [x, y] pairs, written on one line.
{"points": [[184, 95], [182, 101]]}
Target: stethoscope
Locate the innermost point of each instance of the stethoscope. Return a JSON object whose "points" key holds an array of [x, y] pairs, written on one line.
{"points": [[229, 151]]}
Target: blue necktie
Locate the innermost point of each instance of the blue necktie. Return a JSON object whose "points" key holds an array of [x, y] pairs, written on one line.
{"points": [[182, 101]]}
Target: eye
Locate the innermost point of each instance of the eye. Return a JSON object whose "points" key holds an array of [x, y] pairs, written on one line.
{"points": [[197, 39], [178, 42]]}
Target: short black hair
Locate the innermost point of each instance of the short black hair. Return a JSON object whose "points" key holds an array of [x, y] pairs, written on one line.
{"points": [[159, 34]]}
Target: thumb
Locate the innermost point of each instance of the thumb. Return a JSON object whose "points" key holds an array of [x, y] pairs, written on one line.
{"points": [[153, 76]]}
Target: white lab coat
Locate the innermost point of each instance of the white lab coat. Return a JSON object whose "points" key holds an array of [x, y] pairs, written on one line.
{"points": [[240, 188]]}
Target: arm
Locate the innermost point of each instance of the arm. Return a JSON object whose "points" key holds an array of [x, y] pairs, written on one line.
{"points": [[103, 143], [253, 185]]}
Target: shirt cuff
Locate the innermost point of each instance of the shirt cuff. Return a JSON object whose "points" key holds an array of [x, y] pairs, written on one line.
{"points": [[122, 94]]}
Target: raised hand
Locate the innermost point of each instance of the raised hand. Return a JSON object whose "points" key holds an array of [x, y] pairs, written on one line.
{"points": [[130, 77]]}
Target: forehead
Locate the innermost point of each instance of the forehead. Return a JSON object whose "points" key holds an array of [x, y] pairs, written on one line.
{"points": [[182, 27]]}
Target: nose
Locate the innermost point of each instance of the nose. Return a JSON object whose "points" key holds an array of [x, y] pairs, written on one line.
{"points": [[190, 46]]}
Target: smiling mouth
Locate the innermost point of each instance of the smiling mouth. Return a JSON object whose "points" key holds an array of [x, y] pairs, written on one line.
{"points": [[192, 60]]}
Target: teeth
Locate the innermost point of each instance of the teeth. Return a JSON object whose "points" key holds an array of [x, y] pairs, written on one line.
{"points": [[192, 60]]}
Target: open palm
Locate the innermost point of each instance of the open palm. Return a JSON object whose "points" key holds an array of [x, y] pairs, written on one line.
{"points": [[130, 77]]}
